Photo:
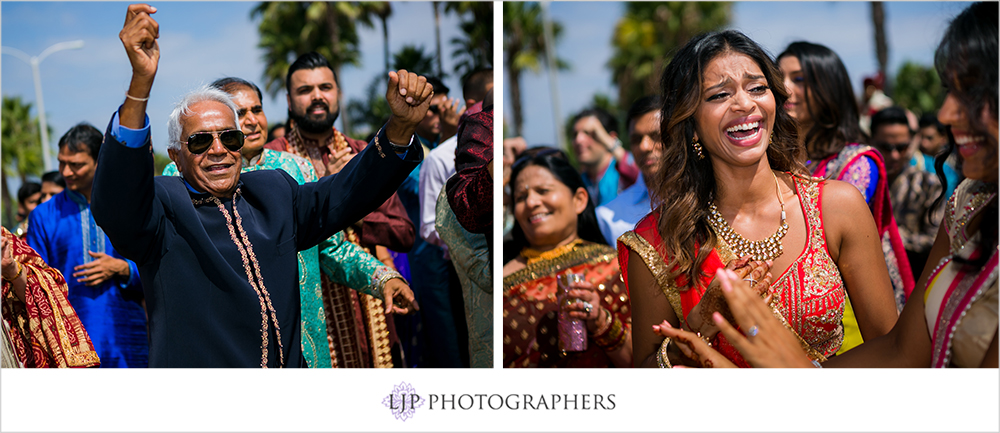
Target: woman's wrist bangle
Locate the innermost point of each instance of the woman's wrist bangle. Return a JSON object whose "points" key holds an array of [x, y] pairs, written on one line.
{"points": [[606, 325], [614, 337], [816, 363], [20, 270], [661, 355], [136, 99]]}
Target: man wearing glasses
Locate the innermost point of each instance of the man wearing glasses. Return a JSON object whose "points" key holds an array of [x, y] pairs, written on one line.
{"points": [[216, 249]]}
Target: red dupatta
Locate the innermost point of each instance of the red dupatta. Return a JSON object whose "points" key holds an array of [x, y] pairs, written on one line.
{"points": [[44, 329]]}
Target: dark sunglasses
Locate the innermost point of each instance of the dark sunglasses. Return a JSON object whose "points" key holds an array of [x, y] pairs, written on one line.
{"points": [[199, 142], [530, 155]]}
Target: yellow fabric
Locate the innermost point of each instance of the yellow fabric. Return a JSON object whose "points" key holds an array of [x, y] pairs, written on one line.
{"points": [[852, 332]]}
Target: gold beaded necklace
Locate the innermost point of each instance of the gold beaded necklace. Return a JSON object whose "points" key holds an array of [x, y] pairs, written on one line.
{"points": [[532, 255], [765, 249]]}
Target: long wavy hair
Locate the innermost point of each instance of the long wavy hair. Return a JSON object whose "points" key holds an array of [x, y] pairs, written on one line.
{"points": [[684, 184], [555, 161], [966, 60], [829, 99]]}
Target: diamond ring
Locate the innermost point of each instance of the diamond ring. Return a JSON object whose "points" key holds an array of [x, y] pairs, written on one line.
{"points": [[753, 331]]}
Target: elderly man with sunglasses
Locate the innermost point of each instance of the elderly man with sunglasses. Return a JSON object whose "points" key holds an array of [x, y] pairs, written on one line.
{"points": [[216, 249]]}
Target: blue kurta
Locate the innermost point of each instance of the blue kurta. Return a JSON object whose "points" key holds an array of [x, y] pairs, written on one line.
{"points": [[62, 232]]}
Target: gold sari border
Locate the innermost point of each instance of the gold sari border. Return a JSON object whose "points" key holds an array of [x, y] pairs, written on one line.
{"points": [[584, 254]]}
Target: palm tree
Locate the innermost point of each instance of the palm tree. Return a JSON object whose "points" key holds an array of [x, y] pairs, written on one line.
{"points": [[475, 49], [414, 59], [437, 36], [881, 47], [648, 33], [288, 30], [22, 151], [524, 48], [918, 88], [367, 10], [370, 113]]}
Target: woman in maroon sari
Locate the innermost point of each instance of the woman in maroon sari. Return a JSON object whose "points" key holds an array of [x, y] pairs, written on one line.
{"points": [[40, 327]]}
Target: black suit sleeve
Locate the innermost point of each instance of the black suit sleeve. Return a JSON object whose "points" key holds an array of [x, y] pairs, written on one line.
{"points": [[122, 198], [334, 202]]}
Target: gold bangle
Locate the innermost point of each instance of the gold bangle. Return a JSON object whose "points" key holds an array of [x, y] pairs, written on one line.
{"points": [[20, 270], [606, 325], [661, 356]]}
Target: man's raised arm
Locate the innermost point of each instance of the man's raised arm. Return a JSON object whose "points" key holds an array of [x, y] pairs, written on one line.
{"points": [[139, 37], [123, 202]]}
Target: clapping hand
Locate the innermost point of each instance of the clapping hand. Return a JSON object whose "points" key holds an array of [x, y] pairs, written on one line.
{"points": [[409, 97], [339, 159], [699, 319], [764, 341], [451, 112]]}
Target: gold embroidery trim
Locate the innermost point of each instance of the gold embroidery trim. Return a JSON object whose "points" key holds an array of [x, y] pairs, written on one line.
{"points": [[248, 256], [654, 261], [587, 253]]}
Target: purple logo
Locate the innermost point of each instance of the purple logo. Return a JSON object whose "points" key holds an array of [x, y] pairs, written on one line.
{"points": [[403, 401]]}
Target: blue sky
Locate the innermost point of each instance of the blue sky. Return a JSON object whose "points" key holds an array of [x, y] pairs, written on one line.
{"points": [[913, 32], [199, 42]]}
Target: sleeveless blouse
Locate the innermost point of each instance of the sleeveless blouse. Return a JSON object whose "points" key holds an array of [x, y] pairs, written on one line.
{"points": [[809, 296], [960, 304]]}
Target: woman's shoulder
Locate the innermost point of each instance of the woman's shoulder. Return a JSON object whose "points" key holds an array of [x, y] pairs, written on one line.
{"points": [[840, 201], [840, 193]]}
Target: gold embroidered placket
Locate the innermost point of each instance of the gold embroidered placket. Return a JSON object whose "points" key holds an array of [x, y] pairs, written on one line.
{"points": [[248, 256]]}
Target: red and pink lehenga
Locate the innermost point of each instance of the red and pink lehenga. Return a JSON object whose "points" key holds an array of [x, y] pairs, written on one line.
{"points": [[809, 296], [43, 330]]}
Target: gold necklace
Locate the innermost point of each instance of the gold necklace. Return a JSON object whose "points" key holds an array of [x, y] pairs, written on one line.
{"points": [[532, 255], [765, 249]]}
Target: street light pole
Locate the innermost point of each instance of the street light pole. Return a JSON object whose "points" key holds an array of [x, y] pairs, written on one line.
{"points": [[550, 57], [34, 62]]}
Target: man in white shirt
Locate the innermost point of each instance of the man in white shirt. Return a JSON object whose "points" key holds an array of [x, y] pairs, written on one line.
{"points": [[439, 163], [621, 214]]}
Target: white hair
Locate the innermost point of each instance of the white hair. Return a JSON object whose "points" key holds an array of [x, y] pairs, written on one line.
{"points": [[183, 108]]}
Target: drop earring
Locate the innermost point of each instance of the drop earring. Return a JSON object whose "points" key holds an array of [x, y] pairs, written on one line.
{"points": [[697, 149]]}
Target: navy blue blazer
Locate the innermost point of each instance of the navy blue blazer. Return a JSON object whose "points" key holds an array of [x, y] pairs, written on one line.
{"points": [[202, 310]]}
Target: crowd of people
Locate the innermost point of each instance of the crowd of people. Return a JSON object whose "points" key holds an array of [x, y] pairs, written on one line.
{"points": [[288, 246], [760, 215], [764, 216]]}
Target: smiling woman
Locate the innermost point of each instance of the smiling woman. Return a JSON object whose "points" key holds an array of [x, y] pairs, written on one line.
{"points": [[556, 233], [731, 192]]}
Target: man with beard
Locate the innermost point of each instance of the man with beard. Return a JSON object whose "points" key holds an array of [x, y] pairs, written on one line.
{"points": [[344, 262], [217, 248], [353, 320]]}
